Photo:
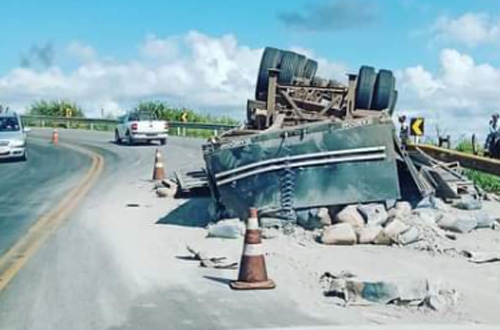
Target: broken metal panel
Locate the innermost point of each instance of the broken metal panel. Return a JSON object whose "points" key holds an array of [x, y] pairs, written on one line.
{"points": [[308, 166]]}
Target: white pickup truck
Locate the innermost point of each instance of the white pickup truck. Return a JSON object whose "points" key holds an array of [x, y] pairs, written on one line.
{"points": [[141, 127]]}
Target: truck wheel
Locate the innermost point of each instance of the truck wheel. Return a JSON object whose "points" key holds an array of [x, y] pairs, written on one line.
{"points": [[163, 142], [394, 100], [383, 91], [364, 88], [270, 59], [24, 157], [130, 139], [301, 65], [117, 138], [288, 66], [310, 69]]}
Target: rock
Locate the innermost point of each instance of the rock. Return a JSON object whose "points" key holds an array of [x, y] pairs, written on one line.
{"points": [[169, 184], [491, 197], [351, 216], [165, 192], [461, 223], [429, 216], [374, 214], [427, 202], [410, 236], [382, 239], [315, 218], [368, 235], [468, 202], [395, 228], [403, 207], [231, 228], [484, 220], [324, 217], [339, 234]]}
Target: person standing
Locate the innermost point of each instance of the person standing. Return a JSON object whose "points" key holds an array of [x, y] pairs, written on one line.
{"points": [[493, 129], [404, 130]]}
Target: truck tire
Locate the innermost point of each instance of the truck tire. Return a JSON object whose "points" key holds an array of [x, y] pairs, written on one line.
{"points": [[117, 138], [394, 101], [310, 69], [364, 88], [270, 59], [130, 139], [383, 91], [163, 142], [288, 66], [301, 65]]}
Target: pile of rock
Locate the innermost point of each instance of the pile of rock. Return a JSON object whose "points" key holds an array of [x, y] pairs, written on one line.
{"points": [[428, 226]]}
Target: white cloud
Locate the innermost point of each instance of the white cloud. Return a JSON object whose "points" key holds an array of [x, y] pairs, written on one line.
{"points": [[215, 74], [460, 96], [81, 51], [470, 29]]}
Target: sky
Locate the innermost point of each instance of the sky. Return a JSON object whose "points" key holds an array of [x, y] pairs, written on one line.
{"points": [[205, 54]]}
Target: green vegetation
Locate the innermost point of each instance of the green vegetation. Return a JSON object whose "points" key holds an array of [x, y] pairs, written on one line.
{"points": [[164, 111], [488, 182], [56, 108], [161, 109]]}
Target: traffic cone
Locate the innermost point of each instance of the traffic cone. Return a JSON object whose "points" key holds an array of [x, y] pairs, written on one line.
{"points": [[159, 171], [55, 136], [253, 273]]}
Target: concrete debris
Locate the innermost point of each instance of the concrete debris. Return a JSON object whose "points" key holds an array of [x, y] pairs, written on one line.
{"points": [[458, 223], [374, 214], [403, 207], [485, 220], [339, 234], [411, 236], [351, 215], [368, 235], [491, 197], [314, 218], [211, 262], [482, 257], [232, 228], [382, 239], [403, 292], [468, 202], [395, 228], [165, 192]]}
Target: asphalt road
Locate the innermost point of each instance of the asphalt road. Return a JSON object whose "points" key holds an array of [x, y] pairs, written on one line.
{"points": [[29, 189]]}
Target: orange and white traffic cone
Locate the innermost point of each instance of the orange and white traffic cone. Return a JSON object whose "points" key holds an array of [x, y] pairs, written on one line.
{"points": [[159, 171], [55, 136], [253, 273]]}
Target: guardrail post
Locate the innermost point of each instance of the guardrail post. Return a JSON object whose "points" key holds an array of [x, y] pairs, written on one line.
{"points": [[42, 123], [91, 126], [184, 131], [215, 132], [178, 131]]}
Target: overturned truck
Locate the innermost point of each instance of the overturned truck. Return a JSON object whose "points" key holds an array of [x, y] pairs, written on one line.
{"points": [[311, 142]]}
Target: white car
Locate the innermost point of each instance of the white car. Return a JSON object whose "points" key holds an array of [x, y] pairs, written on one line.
{"points": [[12, 137], [141, 127]]}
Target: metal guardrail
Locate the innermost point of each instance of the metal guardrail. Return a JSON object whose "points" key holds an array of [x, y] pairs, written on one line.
{"points": [[93, 123]]}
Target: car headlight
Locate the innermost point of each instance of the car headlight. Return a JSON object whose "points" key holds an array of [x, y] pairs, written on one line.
{"points": [[17, 143]]}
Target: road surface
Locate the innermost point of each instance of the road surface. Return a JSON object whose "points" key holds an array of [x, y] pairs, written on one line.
{"points": [[119, 260]]}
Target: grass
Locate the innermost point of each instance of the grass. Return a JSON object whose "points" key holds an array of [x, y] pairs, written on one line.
{"points": [[487, 182]]}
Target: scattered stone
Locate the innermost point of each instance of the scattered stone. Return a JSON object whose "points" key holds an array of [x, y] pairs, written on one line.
{"points": [[468, 202], [165, 192], [382, 239], [395, 228], [428, 216], [339, 234], [491, 197], [461, 223], [482, 257], [427, 202], [374, 214], [368, 235], [410, 236], [403, 207], [405, 292], [231, 228], [315, 218], [351, 216], [485, 220]]}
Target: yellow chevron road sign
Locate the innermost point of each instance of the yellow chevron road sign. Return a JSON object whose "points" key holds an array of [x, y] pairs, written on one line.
{"points": [[417, 126]]}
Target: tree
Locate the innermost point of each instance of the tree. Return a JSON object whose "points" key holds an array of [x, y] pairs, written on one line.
{"points": [[163, 111], [56, 108]]}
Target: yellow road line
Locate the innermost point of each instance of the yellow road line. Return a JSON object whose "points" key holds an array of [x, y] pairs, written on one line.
{"points": [[19, 254]]}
